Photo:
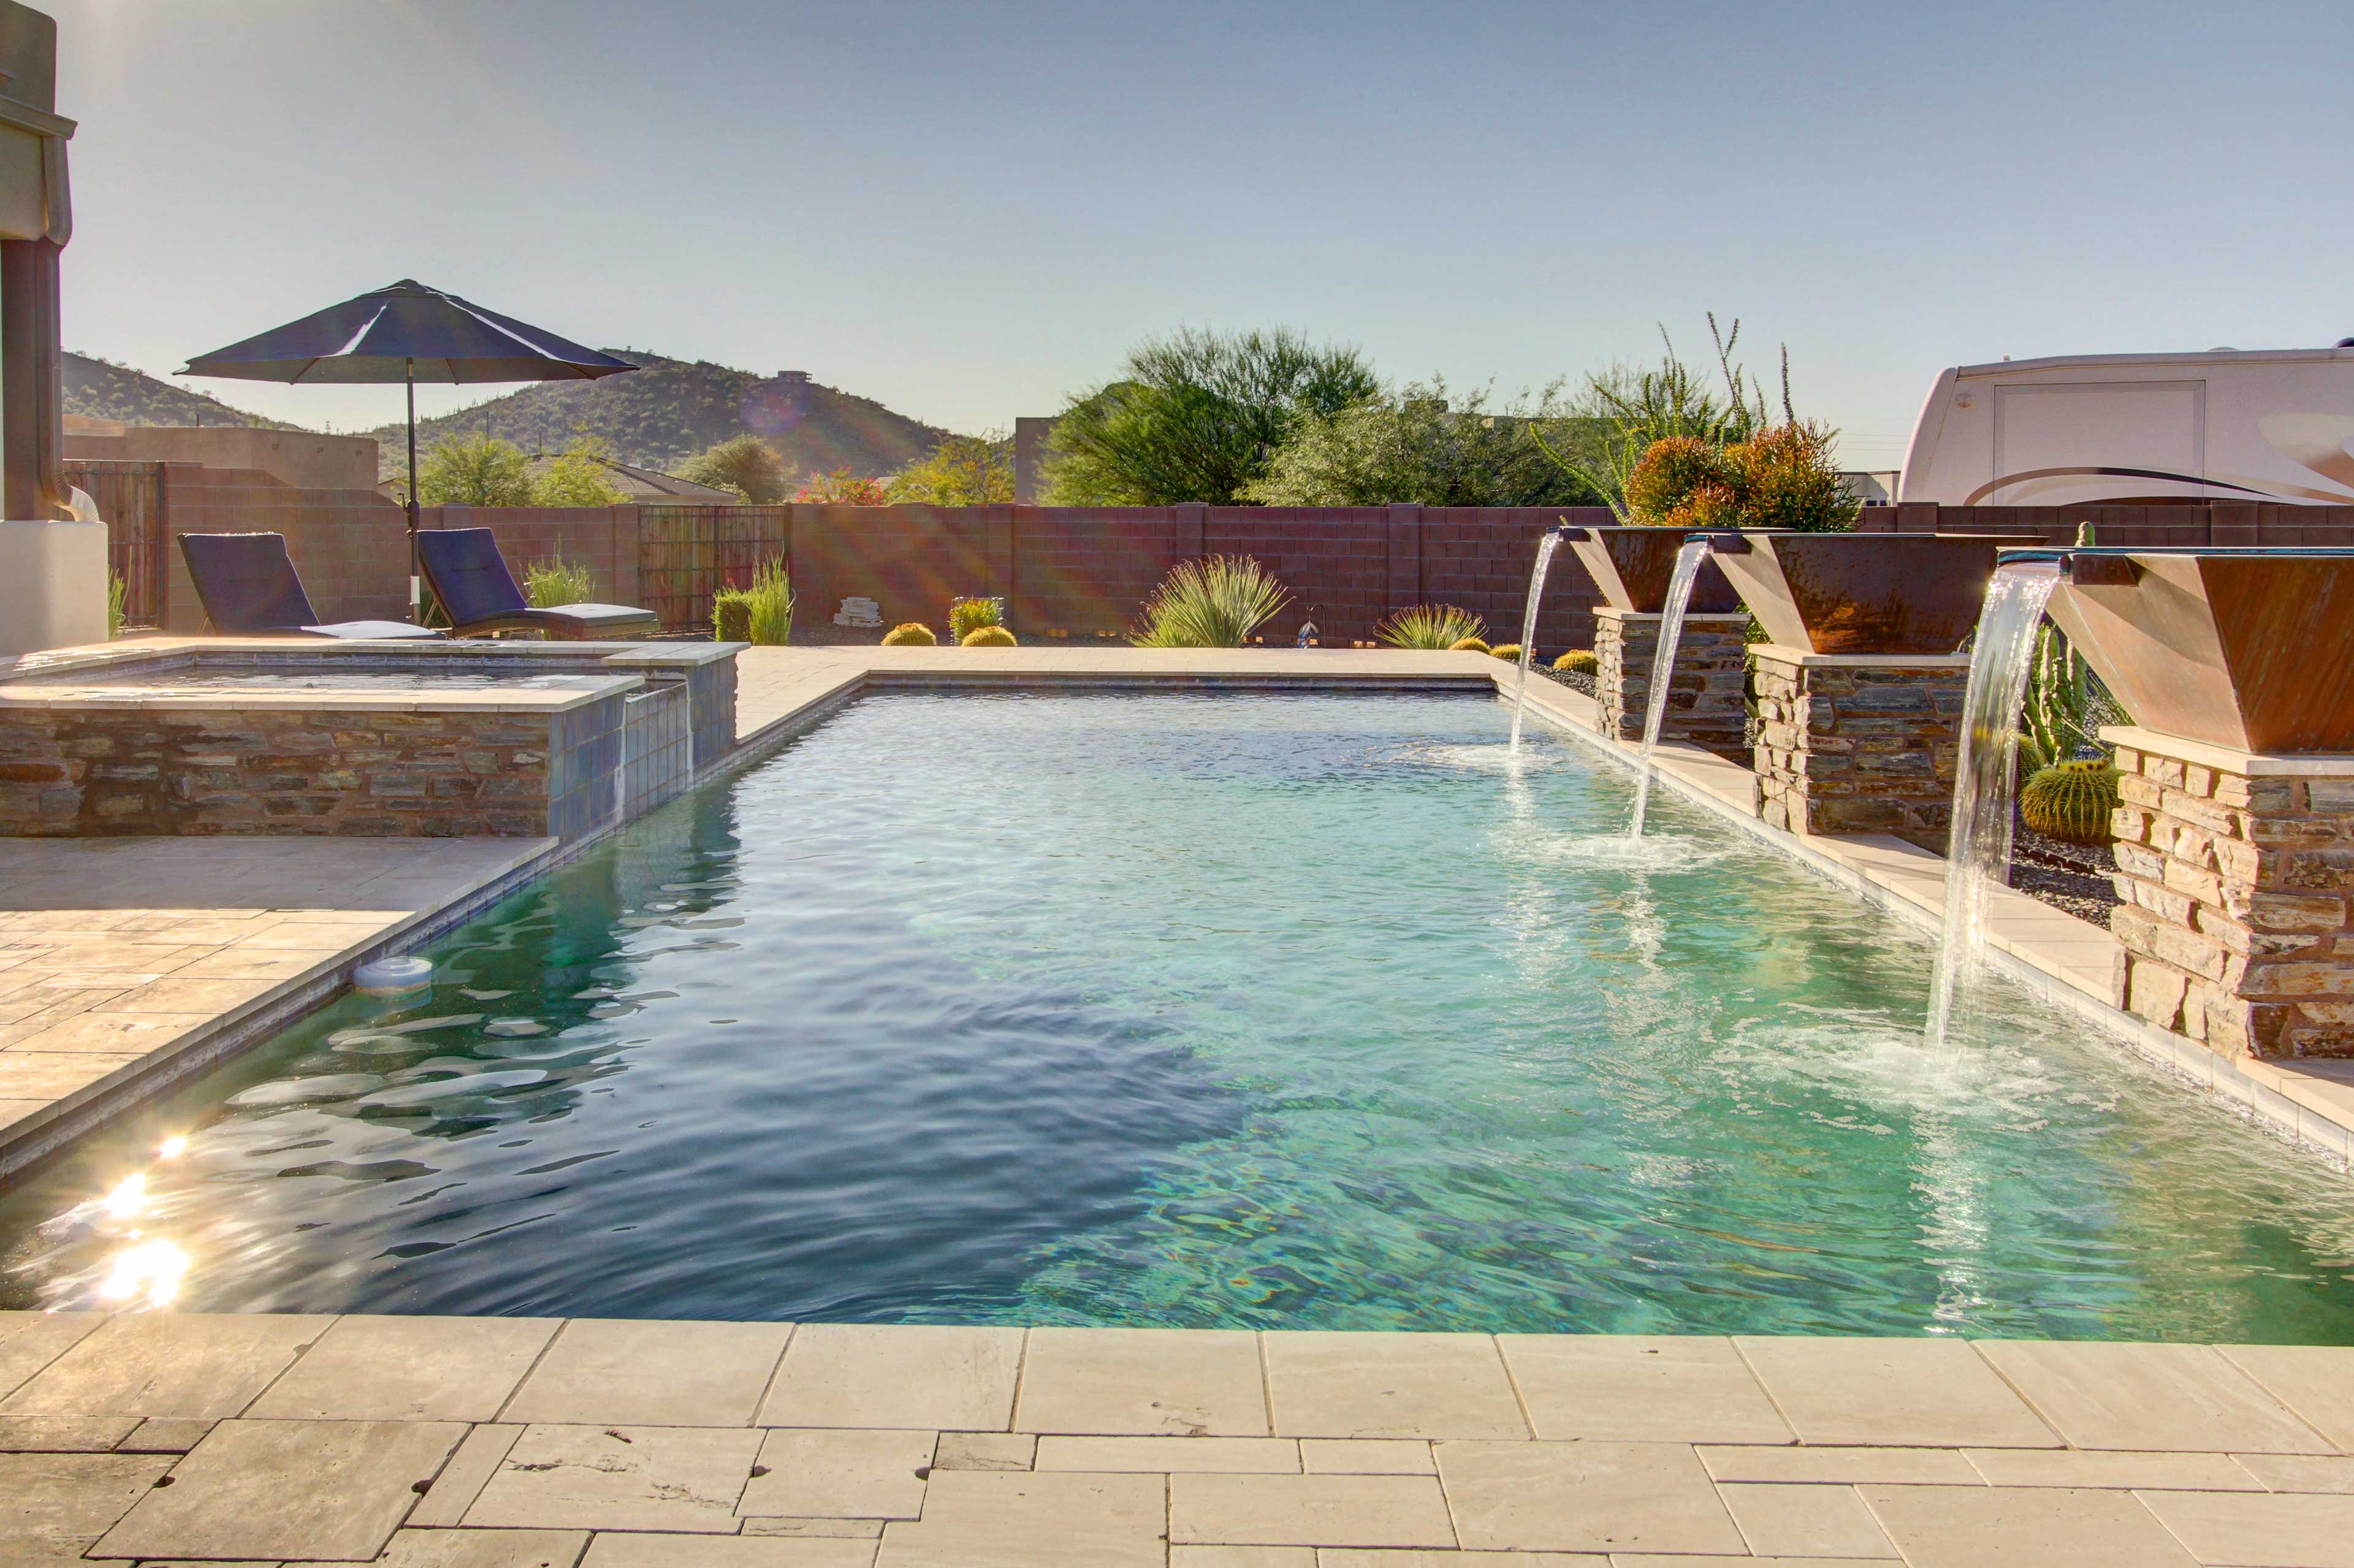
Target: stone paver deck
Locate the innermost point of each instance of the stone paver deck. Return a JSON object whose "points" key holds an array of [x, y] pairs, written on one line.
{"points": [[499, 1443], [127, 963]]}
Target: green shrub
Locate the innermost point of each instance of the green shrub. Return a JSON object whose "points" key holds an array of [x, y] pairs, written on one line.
{"points": [[1466, 645], [1430, 625], [558, 581], [988, 637], [967, 615], [579, 478], [1662, 487], [909, 634], [1578, 662], [1215, 602], [731, 616], [1507, 651], [118, 603], [2071, 802]]}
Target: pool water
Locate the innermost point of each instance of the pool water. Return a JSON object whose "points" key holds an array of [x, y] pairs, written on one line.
{"points": [[1283, 1011]]}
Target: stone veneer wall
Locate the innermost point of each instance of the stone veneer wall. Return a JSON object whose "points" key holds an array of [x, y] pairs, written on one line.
{"points": [[199, 771], [2236, 927], [1855, 744], [1707, 704]]}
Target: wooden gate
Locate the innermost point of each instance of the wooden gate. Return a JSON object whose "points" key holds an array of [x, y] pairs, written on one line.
{"points": [[686, 553], [130, 497]]}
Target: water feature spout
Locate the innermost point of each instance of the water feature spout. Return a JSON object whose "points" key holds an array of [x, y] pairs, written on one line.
{"points": [[1545, 548], [1979, 848], [1696, 549]]}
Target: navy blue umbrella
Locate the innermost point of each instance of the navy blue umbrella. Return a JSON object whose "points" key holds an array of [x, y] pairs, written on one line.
{"points": [[408, 333]]}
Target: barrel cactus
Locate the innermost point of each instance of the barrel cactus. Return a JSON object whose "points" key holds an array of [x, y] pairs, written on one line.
{"points": [[1507, 651], [1577, 662], [1467, 645], [988, 636], [2071, 800], [909, 634]]}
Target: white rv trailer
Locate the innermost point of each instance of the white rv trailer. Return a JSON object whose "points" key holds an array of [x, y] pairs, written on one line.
{"points": [[2128, 428]]}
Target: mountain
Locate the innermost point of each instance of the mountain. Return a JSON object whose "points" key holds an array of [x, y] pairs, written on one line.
{"points": [[655, 417], [102, 389], [668, 409]]}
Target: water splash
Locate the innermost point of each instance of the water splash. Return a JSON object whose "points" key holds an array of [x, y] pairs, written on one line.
{"points": [[1979, 850], [1663, 669], [1545, 548]]}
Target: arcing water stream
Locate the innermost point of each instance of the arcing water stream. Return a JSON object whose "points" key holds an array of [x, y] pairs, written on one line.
{"points": [[1979, 852], [1663, 669], [1545, 548]]}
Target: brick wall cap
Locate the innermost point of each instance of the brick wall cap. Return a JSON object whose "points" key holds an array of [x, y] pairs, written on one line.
{"points": [[2224, 759]]}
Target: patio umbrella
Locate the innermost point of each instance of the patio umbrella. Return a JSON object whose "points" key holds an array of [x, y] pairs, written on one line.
{"points": [[408, 333]]}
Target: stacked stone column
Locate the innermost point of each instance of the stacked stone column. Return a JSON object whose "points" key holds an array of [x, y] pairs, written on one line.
{"points": [[2237, 869], [1859, 743], [1705, 702]]}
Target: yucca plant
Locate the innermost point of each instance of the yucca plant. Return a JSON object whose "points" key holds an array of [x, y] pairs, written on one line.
{"points": [[1438, 626], [558, 581], [1215, 602]]}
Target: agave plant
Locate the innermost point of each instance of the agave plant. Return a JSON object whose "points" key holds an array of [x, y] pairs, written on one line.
{"points": [[1438, 626], [1215, 602]]}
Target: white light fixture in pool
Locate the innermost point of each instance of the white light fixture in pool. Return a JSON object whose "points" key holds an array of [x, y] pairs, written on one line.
{"points": [[171, 1148], [391, 976]]}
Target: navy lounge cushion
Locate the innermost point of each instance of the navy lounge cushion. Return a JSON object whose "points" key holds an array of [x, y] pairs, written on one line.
{"points": [[470, 577], [250, 587]]}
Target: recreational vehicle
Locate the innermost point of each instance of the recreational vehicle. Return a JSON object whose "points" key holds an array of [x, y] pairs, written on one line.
{"points": [[2139, 429]]}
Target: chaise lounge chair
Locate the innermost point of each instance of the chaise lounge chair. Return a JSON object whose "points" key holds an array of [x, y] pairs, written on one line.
{"points": [[250, 587], [467, 574]]}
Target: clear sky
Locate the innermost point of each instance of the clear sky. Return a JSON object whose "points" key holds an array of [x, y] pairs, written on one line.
{"points": [[969, 210]]}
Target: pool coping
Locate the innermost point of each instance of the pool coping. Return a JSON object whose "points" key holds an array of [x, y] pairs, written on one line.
{"points": [[784, 692]]}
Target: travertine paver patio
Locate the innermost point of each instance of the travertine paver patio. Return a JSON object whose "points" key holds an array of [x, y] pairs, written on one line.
{"points": [[125, 959], [499, 1443]]}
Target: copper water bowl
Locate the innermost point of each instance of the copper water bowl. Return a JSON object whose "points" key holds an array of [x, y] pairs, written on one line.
{"points": [[2248, 649], [1862, 593], [1632, 567]]}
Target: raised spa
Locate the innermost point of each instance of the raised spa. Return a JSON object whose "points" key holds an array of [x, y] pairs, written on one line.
{"points": [[1293, 1011], [354, 738]]}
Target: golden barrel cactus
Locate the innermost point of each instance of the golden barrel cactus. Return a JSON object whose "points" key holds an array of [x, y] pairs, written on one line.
{"points": [[909, 634], [988, 636], [1577, 662], [2071, 801], [1467, 645], [1507, 651]]}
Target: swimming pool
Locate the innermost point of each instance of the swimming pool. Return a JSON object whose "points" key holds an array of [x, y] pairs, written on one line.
{"points": [[1297, 1011]]}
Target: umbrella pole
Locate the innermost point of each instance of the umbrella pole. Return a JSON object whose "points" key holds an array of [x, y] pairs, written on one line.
{"points": [[416, 599]]}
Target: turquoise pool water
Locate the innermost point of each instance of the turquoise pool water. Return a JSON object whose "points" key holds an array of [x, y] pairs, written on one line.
{"points": [[1284, 1012]]}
